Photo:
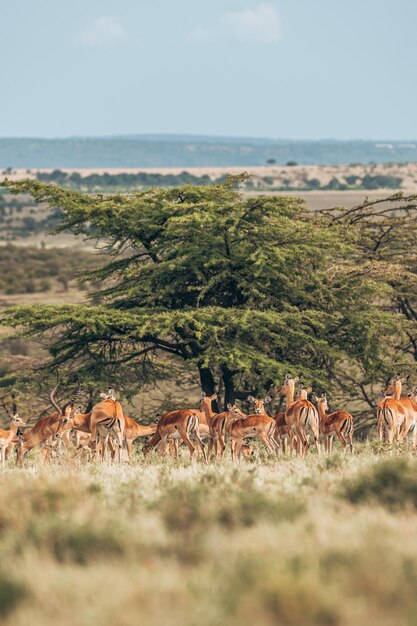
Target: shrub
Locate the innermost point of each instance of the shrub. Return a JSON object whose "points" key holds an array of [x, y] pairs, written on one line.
{"points": [[392, 483], [12, 593]]}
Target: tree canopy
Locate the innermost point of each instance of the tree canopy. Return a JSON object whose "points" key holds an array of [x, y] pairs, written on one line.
{"points": [[242, 288]]}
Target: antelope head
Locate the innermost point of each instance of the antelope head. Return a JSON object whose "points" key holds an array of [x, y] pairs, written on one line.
{"points": [[304, 391], [16, 420], [247, 450], [395, 380], [322, 401], [259, 403], [110, 395], [236, 413], [207, 400], [412, 393], [288, 380]]}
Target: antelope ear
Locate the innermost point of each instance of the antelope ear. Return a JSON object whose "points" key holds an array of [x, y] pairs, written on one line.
{"points": [[297, 378], [251, 399], [315, 398], [203, 395], [214, 396], [287, 376], [229, 407], [268, 399], [309, 389]]}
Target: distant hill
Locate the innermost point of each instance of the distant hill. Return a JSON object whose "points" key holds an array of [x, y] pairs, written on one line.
{"points": [[193, 151]]}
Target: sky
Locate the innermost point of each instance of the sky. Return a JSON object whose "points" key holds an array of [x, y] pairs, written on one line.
{"points": [[289, 69]]}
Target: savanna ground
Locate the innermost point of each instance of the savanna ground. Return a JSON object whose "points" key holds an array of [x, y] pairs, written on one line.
{"points": [[321, 541]]}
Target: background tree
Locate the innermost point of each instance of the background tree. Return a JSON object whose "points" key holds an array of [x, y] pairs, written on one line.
{"points": [[242, 289]]}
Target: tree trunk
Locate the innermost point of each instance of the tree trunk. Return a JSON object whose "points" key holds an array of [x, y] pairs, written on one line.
{"points": [[229, 387], [208, 385]]}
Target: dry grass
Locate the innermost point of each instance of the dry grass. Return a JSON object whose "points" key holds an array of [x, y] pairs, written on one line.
{"points": [[165, 542]]}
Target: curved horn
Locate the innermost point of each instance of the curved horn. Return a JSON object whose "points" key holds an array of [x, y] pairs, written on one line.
{"points": [[9, 413], [52, 395]]}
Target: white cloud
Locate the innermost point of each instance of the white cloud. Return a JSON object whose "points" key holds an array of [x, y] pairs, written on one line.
{"points": [[261, 24], [102, 32]]}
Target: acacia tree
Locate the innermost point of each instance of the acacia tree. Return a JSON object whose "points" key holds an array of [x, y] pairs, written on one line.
{"points": [[243, 289], [386, 231]]}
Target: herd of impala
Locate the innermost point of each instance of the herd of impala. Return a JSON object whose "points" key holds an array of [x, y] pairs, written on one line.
{"points": [[107, 427]]}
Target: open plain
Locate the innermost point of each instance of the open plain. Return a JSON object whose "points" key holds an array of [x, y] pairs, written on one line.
{"points": [[323, 541]]}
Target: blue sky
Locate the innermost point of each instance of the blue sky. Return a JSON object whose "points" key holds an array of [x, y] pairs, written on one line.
{"points": [[269, 68]]}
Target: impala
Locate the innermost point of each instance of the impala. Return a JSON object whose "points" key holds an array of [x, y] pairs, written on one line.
{"points": [[255, 425], [391, 412], [300, 415], [412, 427], [339, 423], [210, 416], [7, 436], [133, 430], [282, 431], [106, 422], [45, 429], [408, 403], [182, 424], [217, 422], [221, 427]]}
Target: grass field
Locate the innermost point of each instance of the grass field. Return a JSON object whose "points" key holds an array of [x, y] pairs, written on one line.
{"points": [[322, 541]]}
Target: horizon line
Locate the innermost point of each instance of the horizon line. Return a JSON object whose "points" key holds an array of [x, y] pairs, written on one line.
{"points": [[204, 137]]}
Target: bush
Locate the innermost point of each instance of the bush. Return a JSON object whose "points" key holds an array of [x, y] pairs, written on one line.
{"points": [[392, 483], [12, 593]]}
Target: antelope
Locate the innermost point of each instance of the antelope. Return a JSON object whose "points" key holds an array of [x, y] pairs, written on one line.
{"points": [[7, 436], [255, 425], [107, 421], [210, 417], [282, 430], [181, 424], [45, 429], [339, 423], [412, 427], [133, 430], [217, 422], [221, 427], [391, 412], [409, 405], [300, 415]]}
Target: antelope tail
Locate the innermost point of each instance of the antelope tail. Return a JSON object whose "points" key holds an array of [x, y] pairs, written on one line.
{"points": [[120, 416], [192, 423]]}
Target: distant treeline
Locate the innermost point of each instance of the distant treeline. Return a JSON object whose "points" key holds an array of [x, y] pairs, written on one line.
{"points": [[126, 181], [31, 270]]}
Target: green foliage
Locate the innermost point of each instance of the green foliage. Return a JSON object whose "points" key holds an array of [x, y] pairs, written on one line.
{"points": [[243, 288]]}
